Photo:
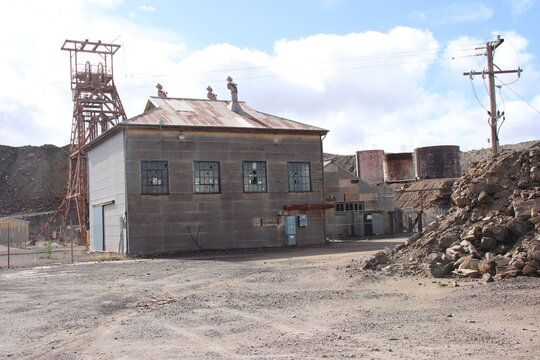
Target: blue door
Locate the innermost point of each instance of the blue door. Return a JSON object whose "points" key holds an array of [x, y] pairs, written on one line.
{"points": [[98, 233]]}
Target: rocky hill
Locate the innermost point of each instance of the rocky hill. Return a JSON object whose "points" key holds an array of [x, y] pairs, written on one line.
{"points": [[32, 178]]}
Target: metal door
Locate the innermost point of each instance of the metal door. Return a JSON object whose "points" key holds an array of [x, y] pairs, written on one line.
{"points": [[368, 225], [290, 229], [98, 230]]}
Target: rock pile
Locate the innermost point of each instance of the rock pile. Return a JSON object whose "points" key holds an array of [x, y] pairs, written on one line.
{"points": [[493, 229]]}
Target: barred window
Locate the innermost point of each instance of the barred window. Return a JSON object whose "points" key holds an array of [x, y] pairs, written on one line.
{"points": [[254, 173], [299, 176], [349, 207], [154, 177], [206, 177]]}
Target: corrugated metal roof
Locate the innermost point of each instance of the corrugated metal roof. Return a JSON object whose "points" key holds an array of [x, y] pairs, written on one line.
{"points": [[211, 113]]}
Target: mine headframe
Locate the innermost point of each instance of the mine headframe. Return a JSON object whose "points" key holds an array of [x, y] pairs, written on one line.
{"points": [[96, 109]]}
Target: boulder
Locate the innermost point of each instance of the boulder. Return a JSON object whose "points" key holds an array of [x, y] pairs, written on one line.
{"points": [[437, 257], [483, 198], [523, 209], [535, 173], [467, 262], [380, 258], [467, 273], [529, 270], [437, 270], [497, 232], [447, 239], [486, 267], [517, 227], [476, 215], [488, 243], [476, 188], [460, 201]]}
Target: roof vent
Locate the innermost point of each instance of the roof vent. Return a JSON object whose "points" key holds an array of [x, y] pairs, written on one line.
{"points": [[234, 105], [211, 95], [160, 92]]}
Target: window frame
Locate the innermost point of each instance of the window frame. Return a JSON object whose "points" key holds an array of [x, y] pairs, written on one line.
{"points": [[196, 175], [303, 183], [245, 186], [146, 185], [347, 207]]}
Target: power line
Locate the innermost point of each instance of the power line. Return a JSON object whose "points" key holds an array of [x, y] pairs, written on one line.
{"points": [[400, 54], [290, 74], [476, 96], [519, 96]]}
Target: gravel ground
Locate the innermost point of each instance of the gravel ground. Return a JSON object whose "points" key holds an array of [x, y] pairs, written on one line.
{"points": [[295, 303]]}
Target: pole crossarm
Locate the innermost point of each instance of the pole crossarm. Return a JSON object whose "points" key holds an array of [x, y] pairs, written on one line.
{"points": [[490, 72], [473, 73]]}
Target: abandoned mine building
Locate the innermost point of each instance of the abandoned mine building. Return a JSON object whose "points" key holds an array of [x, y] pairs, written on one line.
{"points": [[190, 174], [360, 209]]}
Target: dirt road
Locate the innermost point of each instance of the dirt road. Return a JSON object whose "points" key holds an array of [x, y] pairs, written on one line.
{"points": [[302, 303]]}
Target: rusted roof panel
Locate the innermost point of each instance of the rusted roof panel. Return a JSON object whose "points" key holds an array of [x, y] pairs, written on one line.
{"points": [[211, 113]]}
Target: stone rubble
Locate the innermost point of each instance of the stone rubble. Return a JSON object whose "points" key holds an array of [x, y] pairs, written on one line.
{"points": [[491, 232]]}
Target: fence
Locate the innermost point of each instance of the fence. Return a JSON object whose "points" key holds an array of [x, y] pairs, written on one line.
{"points": [[15, 250], [353, 224]]}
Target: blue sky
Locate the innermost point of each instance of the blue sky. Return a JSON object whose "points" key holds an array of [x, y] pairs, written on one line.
{"points": [[377, 74]]}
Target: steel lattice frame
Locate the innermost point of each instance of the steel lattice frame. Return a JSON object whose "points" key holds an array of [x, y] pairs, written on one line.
{"points": [[96, 109]]}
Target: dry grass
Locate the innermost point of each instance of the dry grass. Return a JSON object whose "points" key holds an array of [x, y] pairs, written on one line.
{"points": [[106, 257]]}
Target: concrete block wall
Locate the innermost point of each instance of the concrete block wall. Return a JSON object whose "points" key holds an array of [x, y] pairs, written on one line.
{"points": [[231, 218]]}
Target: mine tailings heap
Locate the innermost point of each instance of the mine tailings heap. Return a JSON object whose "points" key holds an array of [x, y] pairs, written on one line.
{"points": [[493, 229]]}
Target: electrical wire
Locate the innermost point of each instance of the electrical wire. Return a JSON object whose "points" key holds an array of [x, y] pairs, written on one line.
{"points": [[476, 96], [522, 99], [399, 54], [290, 74]]}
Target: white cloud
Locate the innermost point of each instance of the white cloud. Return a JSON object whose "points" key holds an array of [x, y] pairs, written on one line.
{"points": [[520, 7], [35, 72], [371, 88]]}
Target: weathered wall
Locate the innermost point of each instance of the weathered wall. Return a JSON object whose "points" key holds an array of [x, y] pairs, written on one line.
{"points": [[369, 166], [438, 162], [107, 189], [398, 166], [232, 218]]}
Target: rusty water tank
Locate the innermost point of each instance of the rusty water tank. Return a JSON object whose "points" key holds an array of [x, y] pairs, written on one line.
{"points": [[398, 166], [369, 166], [437, 162]]}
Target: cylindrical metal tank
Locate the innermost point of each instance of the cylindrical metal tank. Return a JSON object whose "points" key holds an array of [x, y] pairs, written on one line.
{"points": [[369, 166], [437, 162], [398, 166]]}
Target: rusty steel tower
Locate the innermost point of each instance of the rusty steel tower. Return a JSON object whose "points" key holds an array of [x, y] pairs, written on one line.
{"points": [[96, 109]]}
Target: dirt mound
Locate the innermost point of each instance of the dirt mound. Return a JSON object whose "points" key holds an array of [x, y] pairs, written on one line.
{"points": [[493, 229], [473, 157], [32, 178], [346, 161]]}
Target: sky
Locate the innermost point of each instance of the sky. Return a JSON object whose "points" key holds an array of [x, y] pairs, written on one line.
{"points": [[377, 74]]}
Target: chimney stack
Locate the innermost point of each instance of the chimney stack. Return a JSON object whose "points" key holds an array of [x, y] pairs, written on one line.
{"points": [[234, 105], [211, 95]]}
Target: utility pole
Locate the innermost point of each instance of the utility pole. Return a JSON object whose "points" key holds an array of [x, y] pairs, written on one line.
{"points": [[494, 115]]}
